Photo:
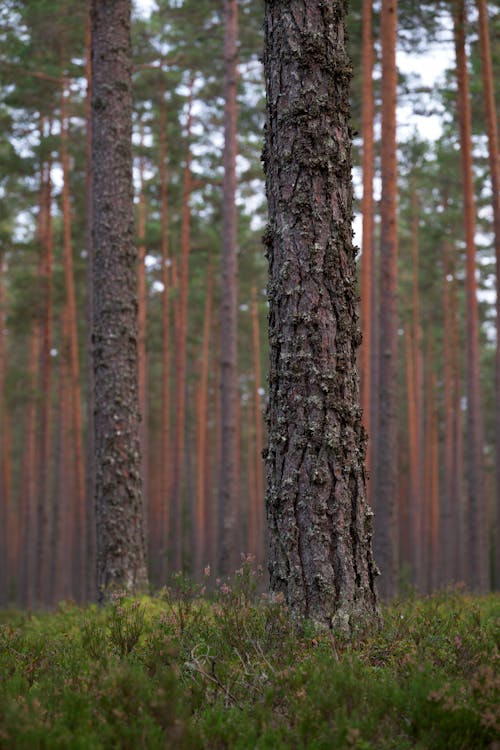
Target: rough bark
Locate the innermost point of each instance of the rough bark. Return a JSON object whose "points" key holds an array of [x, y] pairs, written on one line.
{"points": [[386, 524], [319, 523], [367, 210], [119, 507], [5, 509], [228, 482], [477, 543], [494, 161], [142, 302]]}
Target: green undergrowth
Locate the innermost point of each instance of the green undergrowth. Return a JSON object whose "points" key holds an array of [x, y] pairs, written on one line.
{"points": [[187, 669]]}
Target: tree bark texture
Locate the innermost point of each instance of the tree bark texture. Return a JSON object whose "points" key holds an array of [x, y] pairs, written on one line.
{"points": [[259, 465], [386, 524], [477, 543], [119, 509], [319, 522], [229, 467]]}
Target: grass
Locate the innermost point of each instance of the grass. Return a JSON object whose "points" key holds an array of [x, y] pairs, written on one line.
{"points": [[187, 670]]}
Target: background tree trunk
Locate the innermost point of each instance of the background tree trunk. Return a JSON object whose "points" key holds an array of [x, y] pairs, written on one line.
{"points": [[385, 540], [229, 540], [477, 542], [119, 509]]}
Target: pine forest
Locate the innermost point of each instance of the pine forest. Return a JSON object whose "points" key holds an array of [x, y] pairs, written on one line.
{"points": [[213, 354]]}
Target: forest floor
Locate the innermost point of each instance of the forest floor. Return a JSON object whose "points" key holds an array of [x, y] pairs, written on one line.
{"points": [[187, 669]]}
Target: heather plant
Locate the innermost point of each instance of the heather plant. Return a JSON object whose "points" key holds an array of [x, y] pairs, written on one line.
{"points": [[187, 669]]}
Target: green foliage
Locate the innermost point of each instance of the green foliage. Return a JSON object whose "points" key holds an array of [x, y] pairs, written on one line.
{"points": [[190, 670]]}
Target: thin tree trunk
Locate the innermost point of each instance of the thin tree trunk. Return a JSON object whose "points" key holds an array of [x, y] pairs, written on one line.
{"points": [[418, 377], [44, 415], [367, 210], [449, 509], [457, 474], [413, 438], [477, 542], [64, 510], [90, 400], [30, 527], [166, 458], [142, 299], [319, 521], [492, 130], [121, 557], [202, 433], [180, 352], [5, 499], [260, 529], [76, 400], [386, 523], [228, 482]]}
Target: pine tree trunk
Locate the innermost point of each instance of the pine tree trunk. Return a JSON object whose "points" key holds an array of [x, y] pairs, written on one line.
{"points": [[119, 507], [367, 210], [89, 371], [166, 458], [477, 542], [319, 521], [386, 524], [180, 355], [492, 130], [228, 482], [202, 434], [5, 509], [142, 301], [260, 531], [413, 457], [76, 401], [44, 415], [447, 539]]}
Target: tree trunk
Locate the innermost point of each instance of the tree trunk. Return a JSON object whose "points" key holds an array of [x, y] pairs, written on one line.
{"points": [[367, 210], [202, 434], [477, 542], [492, 129], [76, 401], [119, 508], [89, 372], [166, 458], [319, 521], [386, 524], [5, 509], [228, 483], [180, 351], [259, 549], [142, 301]]}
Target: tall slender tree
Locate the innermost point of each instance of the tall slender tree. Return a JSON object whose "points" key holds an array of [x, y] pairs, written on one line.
{"points": [[476, 550], [385, 540], [228, 482], [119, 509], [319, 521]]}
